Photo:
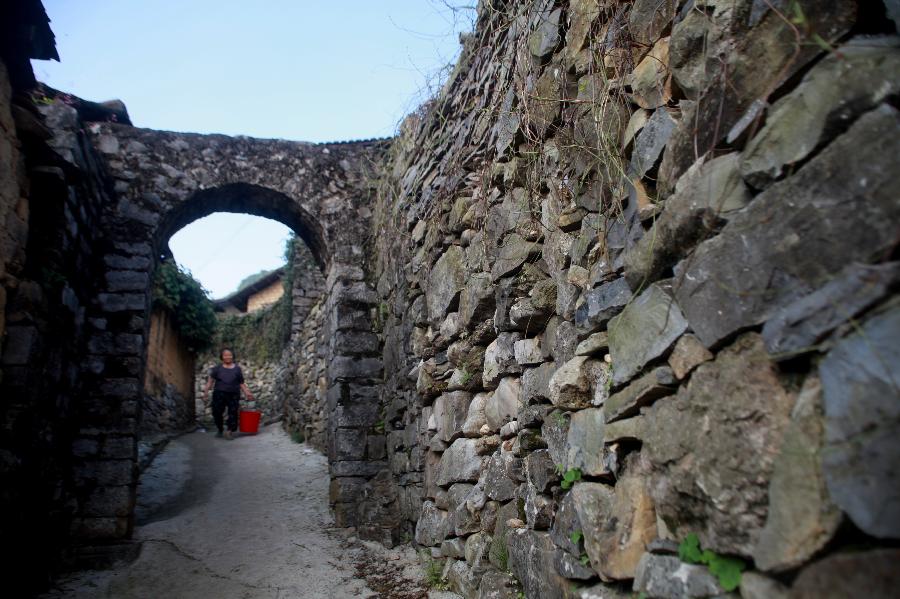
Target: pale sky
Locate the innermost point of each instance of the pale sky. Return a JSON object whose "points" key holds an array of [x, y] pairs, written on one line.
{"points": [[309, 70]]}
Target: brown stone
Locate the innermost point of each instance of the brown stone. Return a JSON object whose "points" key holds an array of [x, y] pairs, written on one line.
{"points": [[687, 354], [871, 574], [801, 518], [650, 81], [617, 530]]}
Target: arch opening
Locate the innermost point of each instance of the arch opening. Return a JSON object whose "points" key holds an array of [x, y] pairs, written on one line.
{"points": [[244, 198], [262, 318]]}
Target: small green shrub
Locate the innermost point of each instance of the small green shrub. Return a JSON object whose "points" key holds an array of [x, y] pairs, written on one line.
{"points": [[434, 570], [570, 477], [726, 569], [297, 437], [559, 418]]}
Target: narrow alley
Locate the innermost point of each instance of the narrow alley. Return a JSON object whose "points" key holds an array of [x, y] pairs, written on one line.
{"points": [[244, 519]]}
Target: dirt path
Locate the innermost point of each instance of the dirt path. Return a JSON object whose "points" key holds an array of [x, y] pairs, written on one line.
{"points": [[244, 519]]}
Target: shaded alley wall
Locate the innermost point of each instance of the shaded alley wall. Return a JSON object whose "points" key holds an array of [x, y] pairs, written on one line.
{"points": [[168, 398], [636, 265], [50, 481]]}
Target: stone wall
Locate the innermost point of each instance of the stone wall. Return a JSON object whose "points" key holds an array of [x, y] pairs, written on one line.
{"points": [[77, 317], [636, 273], [168, 398], [52, 467], [305, 381], [628, 282]]}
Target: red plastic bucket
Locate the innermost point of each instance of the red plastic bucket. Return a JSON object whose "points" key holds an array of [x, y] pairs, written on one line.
{"points": [[249, 421]]}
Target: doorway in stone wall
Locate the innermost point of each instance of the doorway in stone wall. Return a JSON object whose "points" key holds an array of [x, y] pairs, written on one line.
{"points": [[236, 280]]}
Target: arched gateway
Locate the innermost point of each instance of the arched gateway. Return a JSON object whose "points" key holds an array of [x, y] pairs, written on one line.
{"points": [[156, 183]]}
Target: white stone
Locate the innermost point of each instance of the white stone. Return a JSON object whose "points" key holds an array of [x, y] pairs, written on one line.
{"points": [[528, 351]]}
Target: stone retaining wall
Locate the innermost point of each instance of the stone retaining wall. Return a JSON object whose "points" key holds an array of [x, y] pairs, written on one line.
{"points": [[627, 284], [636, 269]]}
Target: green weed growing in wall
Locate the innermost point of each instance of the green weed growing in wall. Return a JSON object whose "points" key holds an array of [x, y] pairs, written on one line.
{"points": [[570, 477], [726, 569]]}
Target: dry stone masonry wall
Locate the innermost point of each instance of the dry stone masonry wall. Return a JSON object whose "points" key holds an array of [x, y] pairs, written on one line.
{"points": [[637, 270], [623, 296]]}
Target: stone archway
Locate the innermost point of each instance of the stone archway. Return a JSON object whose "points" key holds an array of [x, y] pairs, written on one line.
{"points": [[157, 182], [249, 199]]}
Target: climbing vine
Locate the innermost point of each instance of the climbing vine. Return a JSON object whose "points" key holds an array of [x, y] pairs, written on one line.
{"points": [[177, 292]]}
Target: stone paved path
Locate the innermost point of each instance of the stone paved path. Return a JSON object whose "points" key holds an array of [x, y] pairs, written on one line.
{"points": [[242, 519]]}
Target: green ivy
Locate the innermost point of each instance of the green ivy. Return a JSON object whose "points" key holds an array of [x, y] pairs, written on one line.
{"points": [[177, 292], [726, 569]]}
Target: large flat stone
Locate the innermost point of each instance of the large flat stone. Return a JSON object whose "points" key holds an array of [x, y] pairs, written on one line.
{"points": [[451, 411], [459, 463], [650, 143], [861, 457], [584, 443], [503, 403], [802, 518], [719, 487], [431, 527], [870, 574], [843, 85], [645, 330], [476, 302], [475, 417], [496, 479], [445, 281], [803, 323], [839, 208], [555, 432]]}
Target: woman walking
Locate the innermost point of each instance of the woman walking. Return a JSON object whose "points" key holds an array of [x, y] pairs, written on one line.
{"points": [[229, 382]]}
